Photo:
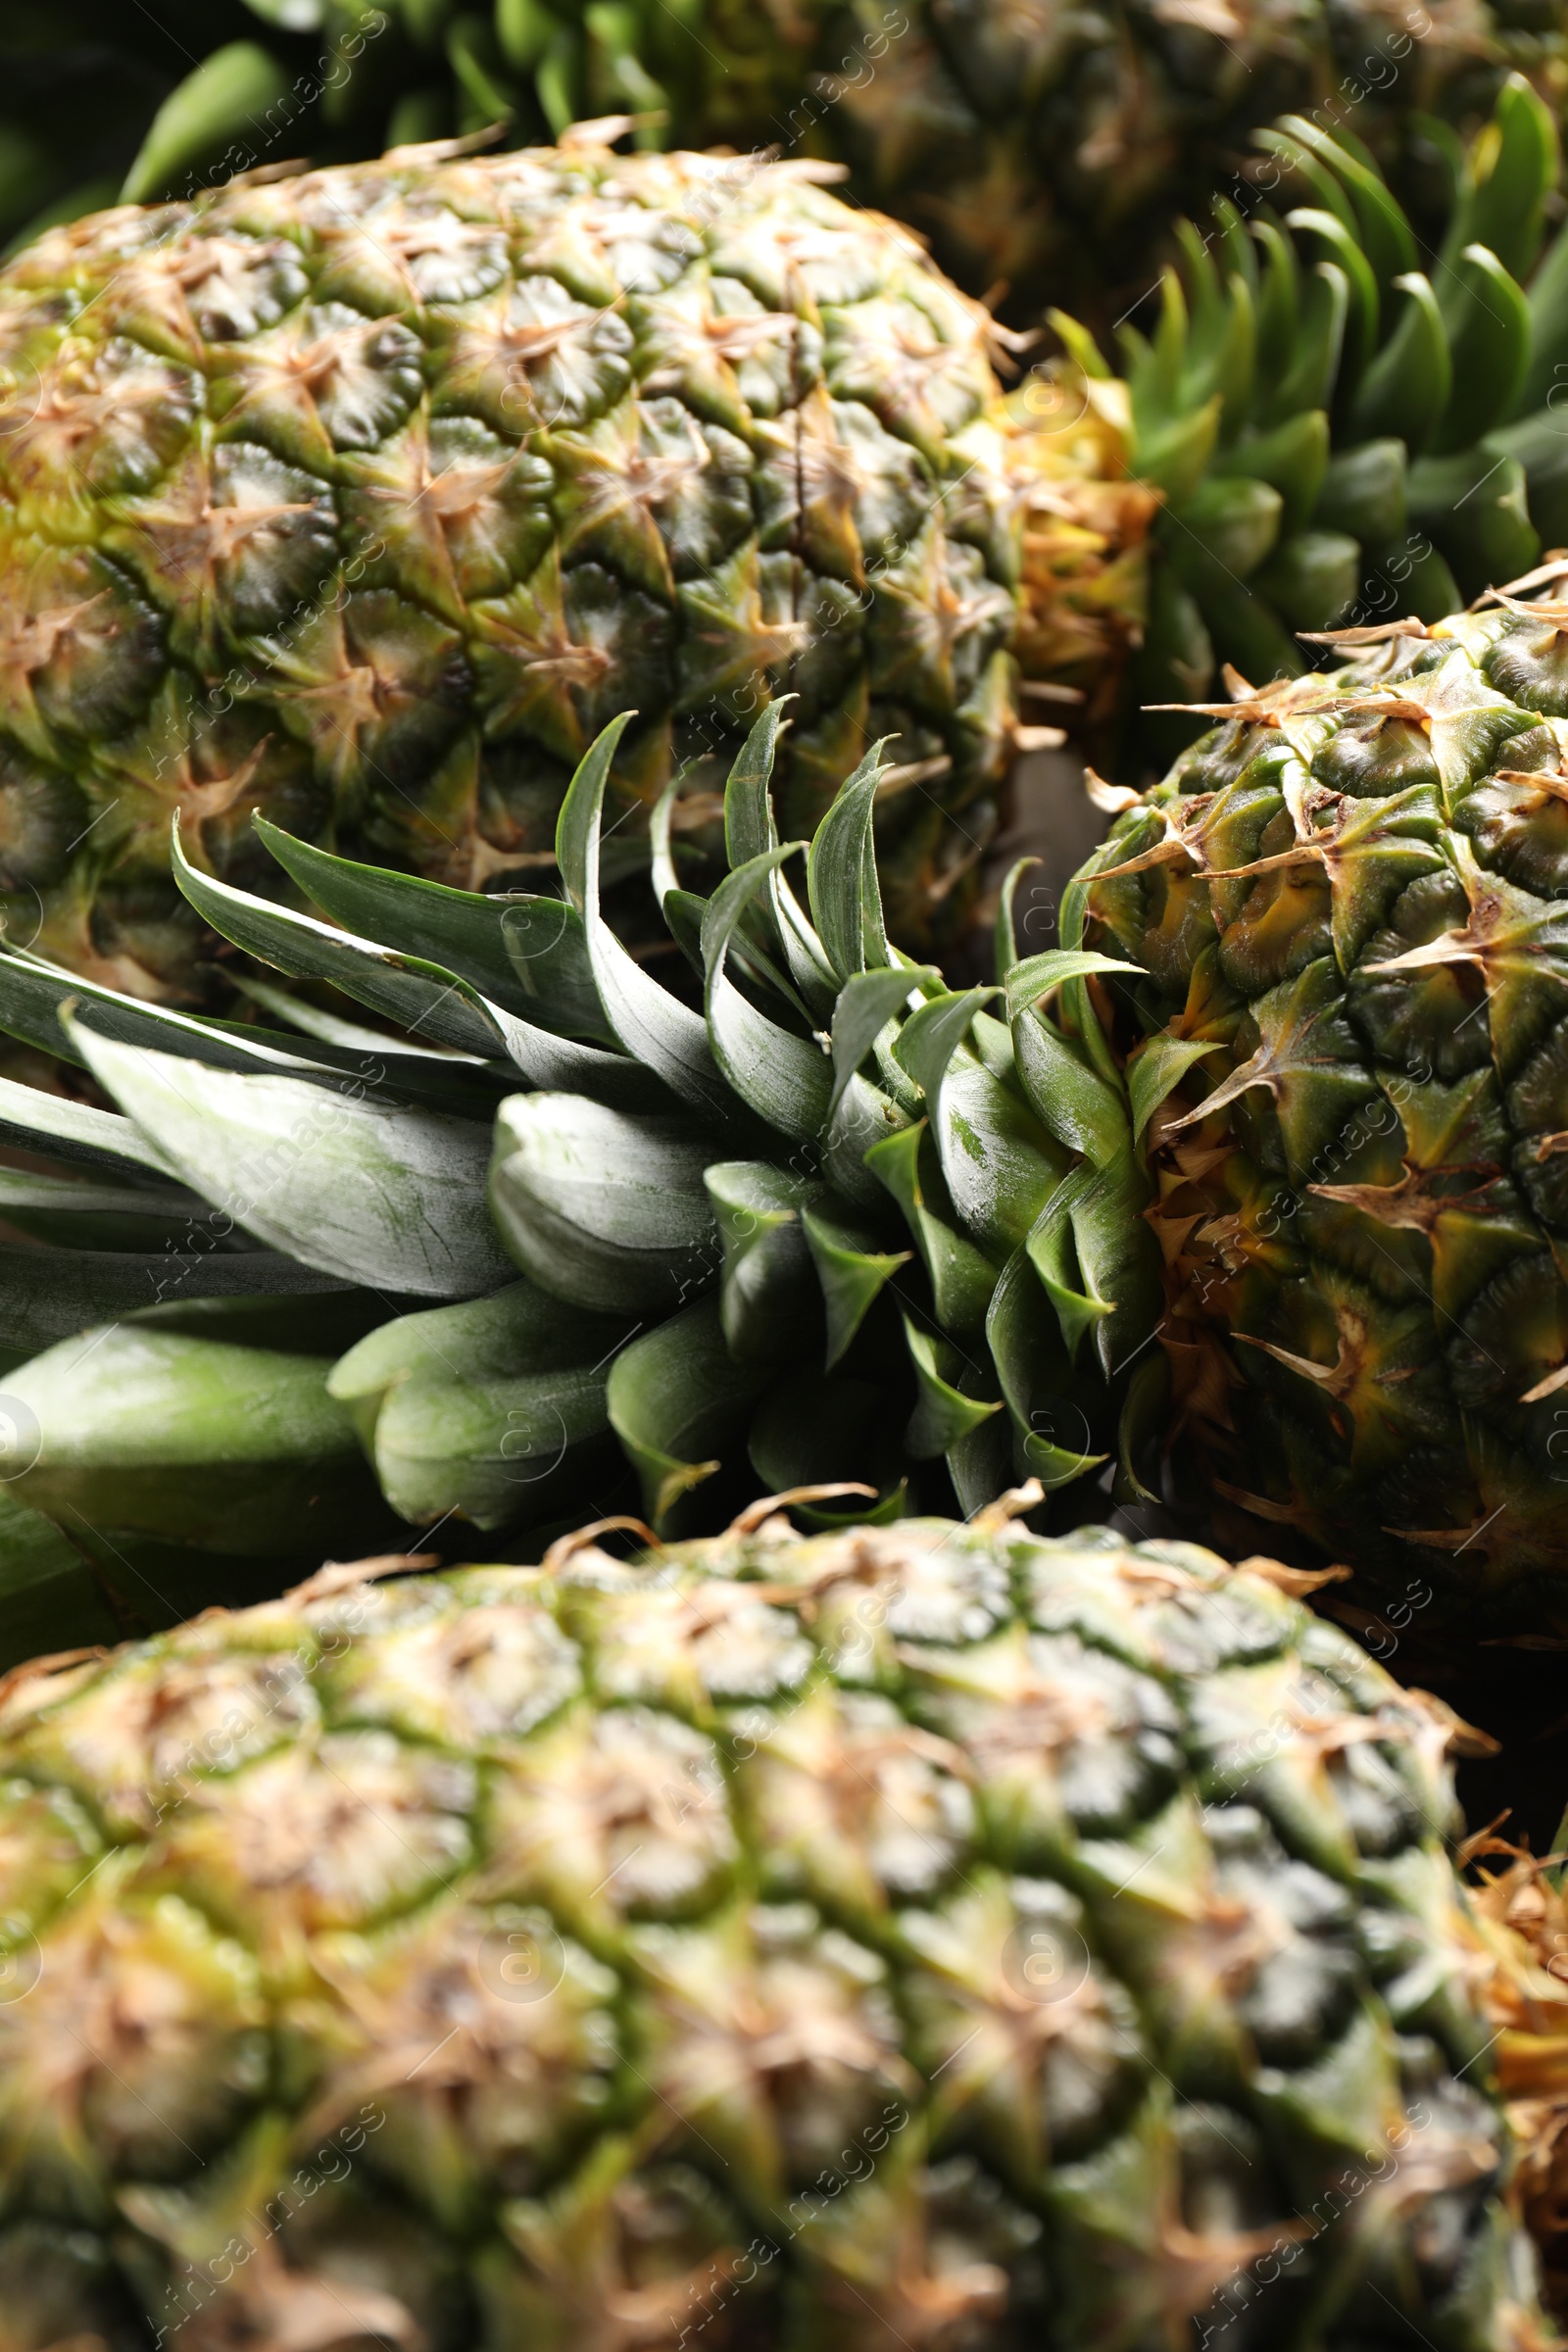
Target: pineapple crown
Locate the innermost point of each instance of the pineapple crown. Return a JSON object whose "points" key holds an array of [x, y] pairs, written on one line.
{"points": [[846, 1222], [1339, 412]]}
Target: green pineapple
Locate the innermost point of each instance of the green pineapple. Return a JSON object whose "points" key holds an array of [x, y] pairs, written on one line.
{"points": [[1343, 1053], [917, 1935], [366, 498]]}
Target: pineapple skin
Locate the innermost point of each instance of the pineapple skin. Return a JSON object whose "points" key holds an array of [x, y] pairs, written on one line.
{"points": [[365, 498], [1348, 1057], [920, 1934]]}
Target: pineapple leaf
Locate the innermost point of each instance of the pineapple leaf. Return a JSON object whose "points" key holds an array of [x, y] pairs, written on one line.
{"points": [[786, 1080], [643, 1018], [749, 827], [661, 844], [77, 1213], [46, 1294], [480, 1409], [1488, 322], [677, 1399], [768, 1302], [484, 940], [1036, 978], [866, 1004], [836, 869], [602, 1208], [238, 1450], [961, 1277], [547, 946], [1385, 235], [1160, 1066], [942, 1415], [1037, 1378], [367, 1190], [417, 995], [1405, 389], [1141, 1423], [562, 1065], [33, 992], [1053, 1252], [1078, 1106], [75, 1131], [928, 1039], [852, 1274]]}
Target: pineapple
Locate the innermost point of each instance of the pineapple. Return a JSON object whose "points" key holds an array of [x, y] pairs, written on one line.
{"points": [[1341, 1053], [1038, 147], [365, 498], [925, 1935]]}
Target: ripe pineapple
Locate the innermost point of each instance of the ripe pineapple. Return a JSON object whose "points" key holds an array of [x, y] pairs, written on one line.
{"points": [[365, 498], [1342, 1053], [917, 1935]]}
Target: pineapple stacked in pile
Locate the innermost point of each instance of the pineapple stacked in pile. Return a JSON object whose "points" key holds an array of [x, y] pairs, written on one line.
{"points": [[914, 1932]]}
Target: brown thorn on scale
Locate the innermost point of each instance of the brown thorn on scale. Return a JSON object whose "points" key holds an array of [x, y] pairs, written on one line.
{"points": [[1010, 1505], [1297, 1584], [444, 151], [1554, 567], [747, 1522], [1551, 617], [1483, 1842], [342, 1575], [563, 1547], [1258, 1506], [1547, 780], [1113, 798], [57, 1662], [1305, 853], [1377, 633], [1336, 1379]]}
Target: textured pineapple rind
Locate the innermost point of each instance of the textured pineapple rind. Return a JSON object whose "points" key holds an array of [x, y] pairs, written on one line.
{"points": [[923, 1933], [366, 496], [1355, 895]]}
